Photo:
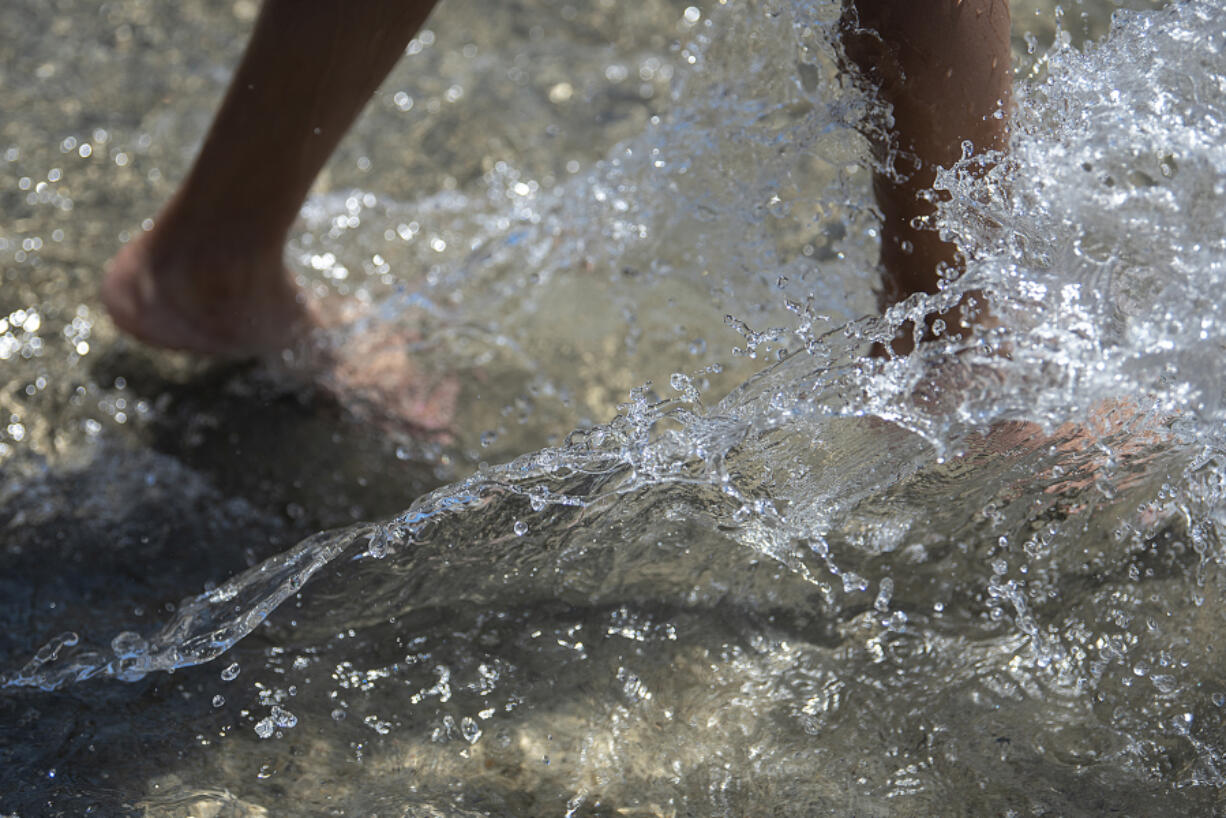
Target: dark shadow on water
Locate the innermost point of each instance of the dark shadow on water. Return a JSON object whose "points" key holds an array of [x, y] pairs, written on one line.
{"points": [[283, 446], [87, 750], [232, 468]]}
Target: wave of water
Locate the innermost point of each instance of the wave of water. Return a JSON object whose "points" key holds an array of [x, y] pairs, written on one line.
{"points": [[988, 572]]}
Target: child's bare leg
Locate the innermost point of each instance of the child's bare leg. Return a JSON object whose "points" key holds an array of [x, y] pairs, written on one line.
{"points": [[210, 277], [944, 67]]}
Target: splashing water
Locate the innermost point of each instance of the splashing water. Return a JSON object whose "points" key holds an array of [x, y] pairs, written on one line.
{"points": [[796, 580]]}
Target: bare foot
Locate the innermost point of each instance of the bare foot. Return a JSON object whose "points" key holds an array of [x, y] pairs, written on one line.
{"points": [[235, 298], [373, 370], [206, 300]]}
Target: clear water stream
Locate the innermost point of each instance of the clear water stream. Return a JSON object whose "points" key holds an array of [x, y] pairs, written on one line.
{"points": [[686, 549]]}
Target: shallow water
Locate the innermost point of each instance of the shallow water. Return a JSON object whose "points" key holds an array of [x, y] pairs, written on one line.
{"points": [[782, 579]]}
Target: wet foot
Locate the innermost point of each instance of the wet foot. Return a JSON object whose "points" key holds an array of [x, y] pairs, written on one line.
{"points": [[206, 301], [220, 303], [375, 371]]}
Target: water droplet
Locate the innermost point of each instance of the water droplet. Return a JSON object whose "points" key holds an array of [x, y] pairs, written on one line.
{"points": [[379, 725], [1164, 683], [854, 582], [230, 673], [521, 528], [264, 727], [282, 717], [470, 730], [219, 700], [885, 591], [377, 547], [128, 644]]}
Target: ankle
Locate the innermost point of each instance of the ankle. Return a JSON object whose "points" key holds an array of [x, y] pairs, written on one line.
{"points": [[212, 262]]}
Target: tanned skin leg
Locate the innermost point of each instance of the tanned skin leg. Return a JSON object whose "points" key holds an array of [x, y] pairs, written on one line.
{"points": [[944, 68], [210, 277]]}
